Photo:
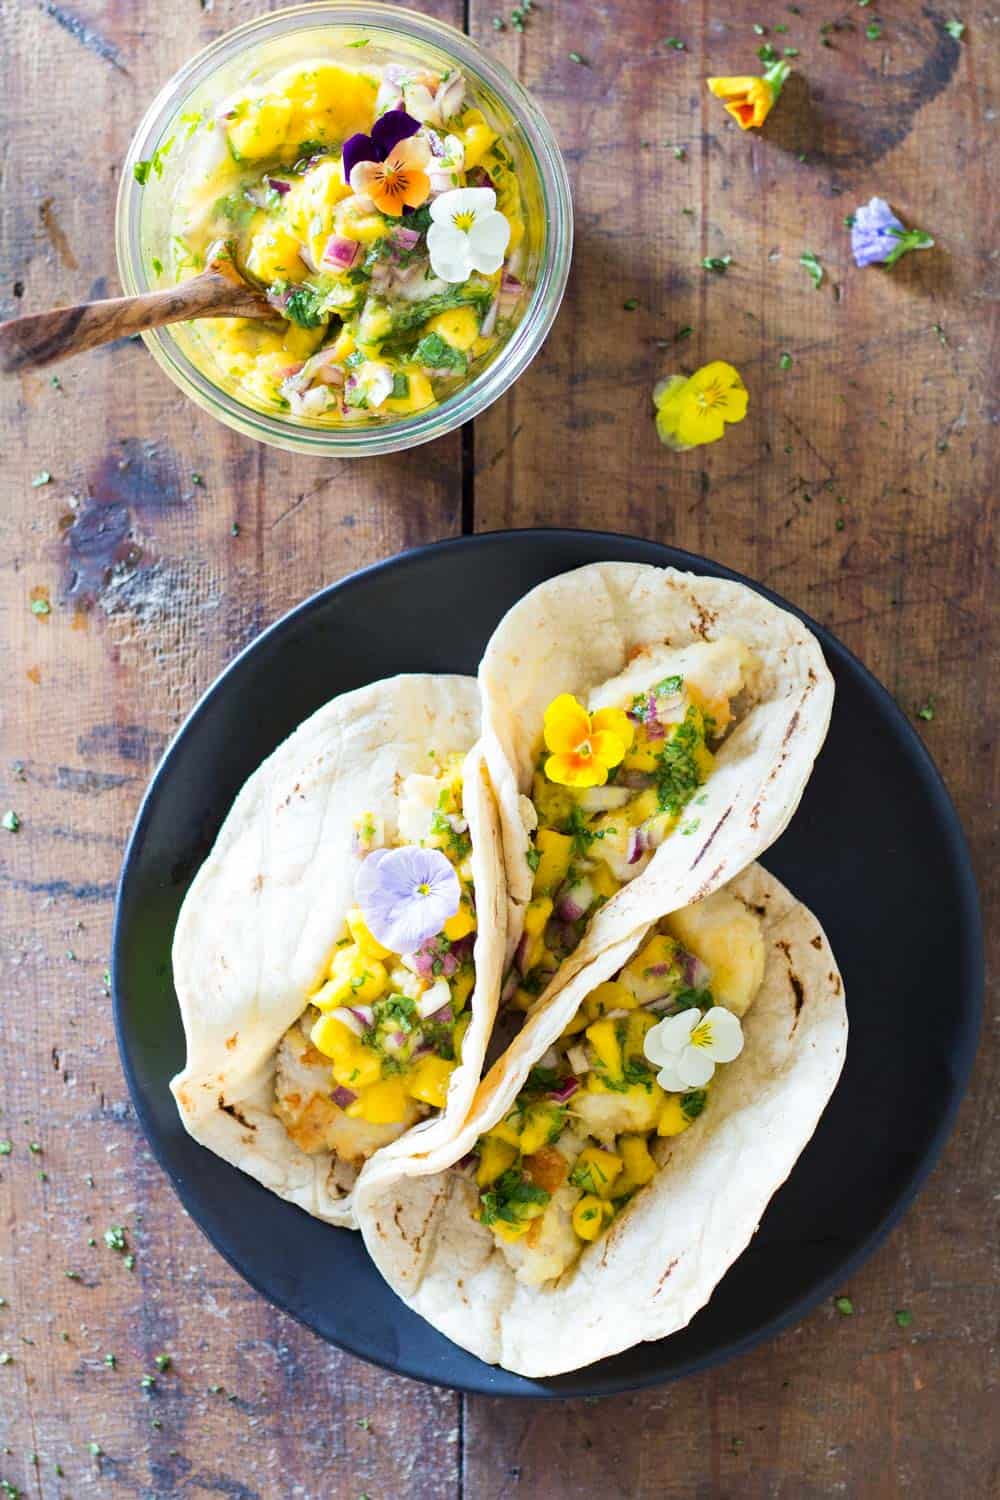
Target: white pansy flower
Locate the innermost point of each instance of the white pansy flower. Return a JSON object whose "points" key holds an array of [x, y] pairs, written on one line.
{"points": [[466, 234], [686, 1047]]}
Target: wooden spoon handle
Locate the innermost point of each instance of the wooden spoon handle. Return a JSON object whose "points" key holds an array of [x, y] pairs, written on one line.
{"points": [[42, 338]]}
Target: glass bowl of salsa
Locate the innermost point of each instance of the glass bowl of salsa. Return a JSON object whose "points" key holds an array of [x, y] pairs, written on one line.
{"points": [[396, 195]]}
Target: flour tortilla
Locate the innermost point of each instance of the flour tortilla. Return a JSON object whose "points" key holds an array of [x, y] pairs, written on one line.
{"points": [[660, 1261], [258, 924], [575, 632]]}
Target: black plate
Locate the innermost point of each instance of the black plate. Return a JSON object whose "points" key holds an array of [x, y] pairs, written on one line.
{"points": [[876, 850]]}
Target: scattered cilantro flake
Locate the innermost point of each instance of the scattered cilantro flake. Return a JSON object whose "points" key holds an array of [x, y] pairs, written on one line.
{"points": [[926, 710], [111, 1360], [129, 1262], [362, 43], [198, 479], [955, 28], [34, 1148], [630, 304], [844, 1306], [812, 265], [717, 263], [848, 221], [909, 239], [42, 477], [767, 53], [157, 265], [162, 1362], [6, 1147], [903, 1317], [873, 31], [6, 1358], [12, 823], [499, 24], [839, 524], [234, 530], [95, 1450], [575, 57], [942, 336], [781, 27], [760, 30], [41, 607], [364, 1423], [148, 1382], [72, 1276], [675, 43], [114, 1238], [681, 153], [785, 361], [141, 171], [791, 51]]}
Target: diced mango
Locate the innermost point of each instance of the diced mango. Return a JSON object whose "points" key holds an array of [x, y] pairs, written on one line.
{"points": [[458, 326], [673, 1120], [260, 127], [603, 881], [539, 1122], [509, 1129], [358, 1069], [494, 1158], [274, 254], [333, 1038], [536, 915], [355, 978], [553, 803], [611, 995], [590, 1216], [375, 325], [458, 1035], [659, 952], [367, 944], [429, 1080], [419, 394], [596, 1170], [342, 347], [504, 1230], [477, 139], [642, 756], [646, 805], [639, 1166], [384, 1103], [523, 999], [461, 924], [603, 1038], [638, 1023], [299, 343], [462, 986], [554, 853]]}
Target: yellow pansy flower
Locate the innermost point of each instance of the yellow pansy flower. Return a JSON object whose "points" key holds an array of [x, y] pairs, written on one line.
{"points": [[749, 99], [693, 411], [584, 746]]}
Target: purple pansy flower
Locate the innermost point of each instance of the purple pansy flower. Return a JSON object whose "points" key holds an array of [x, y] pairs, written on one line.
{"points": [[879, 238], [406, 895], [387, 132]]}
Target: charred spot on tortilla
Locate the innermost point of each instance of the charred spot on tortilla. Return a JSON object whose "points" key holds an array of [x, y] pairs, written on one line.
{"points": [[704, 848], [234, 1112], [231, 1041], [670, 1267], [817, 941]]}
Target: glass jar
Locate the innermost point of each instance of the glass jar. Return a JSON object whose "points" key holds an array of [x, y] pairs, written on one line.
{"points": [[142, 227]]}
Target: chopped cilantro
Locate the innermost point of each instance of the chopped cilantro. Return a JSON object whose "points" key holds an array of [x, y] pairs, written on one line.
{"points": [[163, 1362], [926, 710], [111, 1360], [114, 1238], [42, 477], [812, 265], [785, 361], [362, 43], [909, 239], [630, 304], [157, 265], [903, 1317], [41, 607], [11, 822], [873, 31], [575, 57], [693, 1103], [767, 53], [955, 28], [844, 1306], [305, 307], [718, 263], [512, 1199], [435, 353], [678, 775]]}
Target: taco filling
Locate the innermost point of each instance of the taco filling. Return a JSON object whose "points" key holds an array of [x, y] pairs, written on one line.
{"points": [[612, 782], [634, 1065], [381, 1034]]}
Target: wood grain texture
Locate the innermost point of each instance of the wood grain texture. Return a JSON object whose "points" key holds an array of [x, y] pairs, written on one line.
{"points": [[150, 592]]}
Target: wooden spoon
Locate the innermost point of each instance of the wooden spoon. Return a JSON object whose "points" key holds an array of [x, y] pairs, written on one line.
{"points": [[220, 291]]}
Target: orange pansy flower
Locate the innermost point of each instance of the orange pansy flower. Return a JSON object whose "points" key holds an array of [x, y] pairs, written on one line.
{"points": [[399, 181]]}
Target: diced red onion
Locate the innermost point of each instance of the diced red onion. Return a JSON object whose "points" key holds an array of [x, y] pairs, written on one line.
{"points": [[603, 798], [636, 781], [510, 293], [434, 999], [281, 187], [574, 900], [696, 973], [341, 254], [636, 844], [405, 239], [564, 1090], [363, 1013], [343, 1097], [347, 1018], [577, 1059]]}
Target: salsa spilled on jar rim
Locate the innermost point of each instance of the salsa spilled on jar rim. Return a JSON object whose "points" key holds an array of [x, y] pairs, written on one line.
{"points": [[383, 207]]}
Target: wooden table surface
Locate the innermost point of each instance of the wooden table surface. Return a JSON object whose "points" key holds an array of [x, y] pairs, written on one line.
{"points": [[859, 486]]}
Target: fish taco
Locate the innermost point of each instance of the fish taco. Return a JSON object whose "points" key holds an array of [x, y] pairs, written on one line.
{"points": [[338, 956]]}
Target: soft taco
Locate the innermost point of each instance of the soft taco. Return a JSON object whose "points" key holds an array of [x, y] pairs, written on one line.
{"points": [[648, 733], [338, 957], [619, 1156]]}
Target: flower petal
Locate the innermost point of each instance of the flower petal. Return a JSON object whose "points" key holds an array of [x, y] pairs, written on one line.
{"points": [[566, 723], [695, 1067], [615, 721], [448, 249], [669, 1037], [365, 175], [406, 895], [358, 148], [607, 749], [575, 770], [726, 1034], [462, 201], [668, 1078], [409, 154], [391, 128], [488, 241]]}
